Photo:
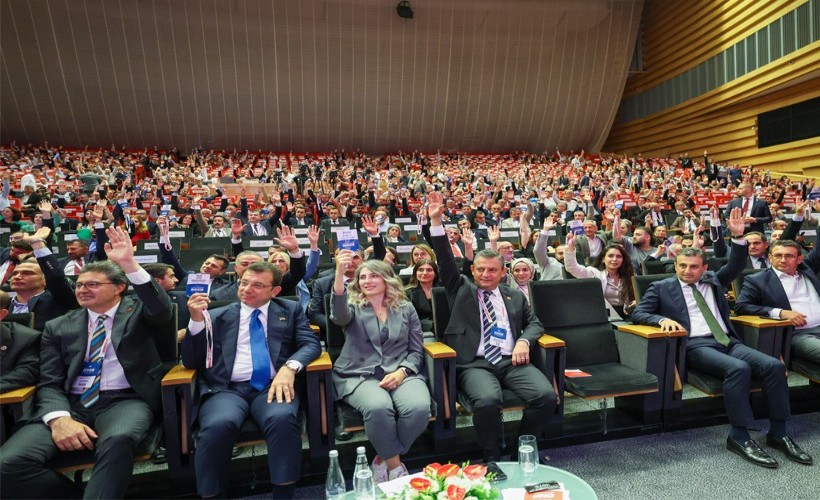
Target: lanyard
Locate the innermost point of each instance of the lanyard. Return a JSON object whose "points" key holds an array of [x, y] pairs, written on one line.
{"points": [[209, 340], [500, 317]]}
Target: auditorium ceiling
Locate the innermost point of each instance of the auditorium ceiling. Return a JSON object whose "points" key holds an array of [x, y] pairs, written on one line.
{"points": [[312, 75]]}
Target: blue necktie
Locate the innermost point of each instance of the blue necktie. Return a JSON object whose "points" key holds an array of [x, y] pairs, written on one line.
{"points": [[492, 353], [92, 393], [260, 357]]}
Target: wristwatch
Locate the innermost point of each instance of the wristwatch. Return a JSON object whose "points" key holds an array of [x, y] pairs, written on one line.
{"points": [[407, 372], [293, 365]]}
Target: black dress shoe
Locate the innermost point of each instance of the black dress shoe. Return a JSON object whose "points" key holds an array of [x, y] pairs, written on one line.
{"points": [[751, 452], [788, 447], [160, 455]]}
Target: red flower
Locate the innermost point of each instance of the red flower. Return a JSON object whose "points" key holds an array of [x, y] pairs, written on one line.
{"points": [[419, 483], [475, 471], [448, 470], [455, 492], [432, 469]]}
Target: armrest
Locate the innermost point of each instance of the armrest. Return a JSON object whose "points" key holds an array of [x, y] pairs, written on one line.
{"points": [[179, 375], [322, 363], [650, 332], [550, 342], [758, 322], [17, 395], [439, 350], [315, 328]]}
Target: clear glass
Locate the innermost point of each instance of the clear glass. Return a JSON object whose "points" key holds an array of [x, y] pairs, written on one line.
{"points": [[363, 485], [527, 453]]}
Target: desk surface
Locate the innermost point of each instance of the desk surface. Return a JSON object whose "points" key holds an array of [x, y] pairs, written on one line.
{"points": [[577, 487]]}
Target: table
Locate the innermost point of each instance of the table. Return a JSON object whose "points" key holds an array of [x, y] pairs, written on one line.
{"points": [[577, 487]]}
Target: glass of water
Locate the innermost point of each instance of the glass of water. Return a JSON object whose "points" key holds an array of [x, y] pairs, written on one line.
{"points": [[363, 485], [527, 453]]}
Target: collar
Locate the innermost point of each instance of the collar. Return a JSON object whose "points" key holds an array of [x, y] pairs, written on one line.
{"points": [[780, 274], [246, 310], [93, 316]]}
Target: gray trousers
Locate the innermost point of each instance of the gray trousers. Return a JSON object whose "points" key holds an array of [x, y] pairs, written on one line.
{"points": [[806, 344], [121, 422], [392, 419]]}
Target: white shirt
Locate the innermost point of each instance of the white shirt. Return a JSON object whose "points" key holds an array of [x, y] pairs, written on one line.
{"points": [[259, 230], [802, 296], [71, 266], [757, 264], [595, 246], [697, 324]]}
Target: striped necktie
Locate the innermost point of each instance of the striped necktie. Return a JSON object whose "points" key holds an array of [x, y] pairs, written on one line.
{"points": [[492, 353], [92, 393]]}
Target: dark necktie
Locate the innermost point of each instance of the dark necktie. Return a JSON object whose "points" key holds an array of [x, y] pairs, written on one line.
{"points": [[9, 270], [260, 357], [92, 393], [492, 353], [711, 321], [762, 263]]}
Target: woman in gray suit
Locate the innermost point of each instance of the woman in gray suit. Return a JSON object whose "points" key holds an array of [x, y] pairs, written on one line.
{"points": [[379, 371]]}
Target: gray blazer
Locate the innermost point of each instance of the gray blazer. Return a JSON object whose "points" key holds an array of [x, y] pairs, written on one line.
{"points": [[363, 350]]}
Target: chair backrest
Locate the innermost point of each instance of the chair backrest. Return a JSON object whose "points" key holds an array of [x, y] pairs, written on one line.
{"points": [[641, 283], [335, 335], [574, 311], [716, 263], [737, 283], [167, 347], [654, 266], [25, 319], [441, 310]]}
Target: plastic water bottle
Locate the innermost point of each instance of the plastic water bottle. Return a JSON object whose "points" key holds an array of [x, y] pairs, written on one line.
{"points": [[363, 484], [335, 483]]}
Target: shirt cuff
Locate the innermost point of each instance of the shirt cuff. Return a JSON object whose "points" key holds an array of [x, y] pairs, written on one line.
{"points": [[296, 253], [140, 277], [437, 231], [236, 241], [523, 340], [775, 313], [195, 327], [797, 218], [292, 362], [740, 241], [42, 252], [99, 225], [48, 417]]}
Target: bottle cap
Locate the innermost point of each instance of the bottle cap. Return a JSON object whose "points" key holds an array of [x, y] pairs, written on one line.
{"points": [[360, 450], [333, 453]]}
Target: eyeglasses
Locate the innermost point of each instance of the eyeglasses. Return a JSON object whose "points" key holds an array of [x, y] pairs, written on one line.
{"points": [[91, 285], [783, 256], [255, 285]]}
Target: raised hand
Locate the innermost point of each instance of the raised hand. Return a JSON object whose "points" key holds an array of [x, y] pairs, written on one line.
{"points": [[369, 225], [467, 237], [119, 249], [45, 207], [313, 234], [494, 234], [570, 243], [287, 239], [435, 205], [236, 228], [736, 222], [549, 223], [198, 303], [344, 259]]}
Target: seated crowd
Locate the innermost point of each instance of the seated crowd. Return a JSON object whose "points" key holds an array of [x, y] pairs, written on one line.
{"points": [[481, 227]]}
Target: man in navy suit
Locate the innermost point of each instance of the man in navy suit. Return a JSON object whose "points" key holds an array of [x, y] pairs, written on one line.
{"points": [[789, 290], [755, 211], [694, 301], [248, 369]]}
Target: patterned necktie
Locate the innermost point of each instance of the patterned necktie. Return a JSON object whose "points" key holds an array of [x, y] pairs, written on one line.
{"points": [[745, 206], [92, 393], [711, 321], [492, 353], [260, 357], [78, 266]]}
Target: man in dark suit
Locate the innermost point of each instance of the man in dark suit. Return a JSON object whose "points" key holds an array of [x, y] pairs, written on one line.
{"points": [[755, 211], [491, 329], [257, 349], [694, 301], [99, 386], [19, 351], [300, 217], [789, 290]]}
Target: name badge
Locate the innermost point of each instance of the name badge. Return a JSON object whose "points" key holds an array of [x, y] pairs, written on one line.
{"points": [[86, 377], [498, 336]]}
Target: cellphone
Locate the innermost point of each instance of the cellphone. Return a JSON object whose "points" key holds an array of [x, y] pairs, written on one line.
{"points": [[493, 467], [546, 485]]}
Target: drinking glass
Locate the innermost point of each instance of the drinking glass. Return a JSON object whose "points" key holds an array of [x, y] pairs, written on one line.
{"points": [[363, 485], [527, 453]]}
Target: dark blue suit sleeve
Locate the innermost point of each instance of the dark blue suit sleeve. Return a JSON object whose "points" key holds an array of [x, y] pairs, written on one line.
{"points": [[750, 300], [170, 258], [735, 265], [646, 312]]}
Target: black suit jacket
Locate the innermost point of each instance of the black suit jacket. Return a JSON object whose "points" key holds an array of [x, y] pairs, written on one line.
{"points": [[463, 332], [289, 338], [763, 291], [139, 326], [170, 258], [760, 211], [58, 299], [19, 356], [664, 299]]}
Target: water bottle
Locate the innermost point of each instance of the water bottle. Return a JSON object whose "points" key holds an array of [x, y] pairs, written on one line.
{"points": [[363, 484], [335, 483]]}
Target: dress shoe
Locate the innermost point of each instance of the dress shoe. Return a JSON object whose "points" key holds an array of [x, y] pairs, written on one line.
{"points": [[160, 455], [788, 447], [236, 451], [750, 451]]}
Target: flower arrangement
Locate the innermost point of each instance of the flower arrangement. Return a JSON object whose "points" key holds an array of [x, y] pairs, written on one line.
{"points": [[450, 482]]}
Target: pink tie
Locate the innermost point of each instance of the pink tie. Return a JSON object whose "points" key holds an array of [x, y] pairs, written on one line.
{"points": [[745, 205], [78, 266]]}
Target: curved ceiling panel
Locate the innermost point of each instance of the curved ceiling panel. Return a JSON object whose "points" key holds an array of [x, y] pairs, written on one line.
{"points": [[481, 75]]}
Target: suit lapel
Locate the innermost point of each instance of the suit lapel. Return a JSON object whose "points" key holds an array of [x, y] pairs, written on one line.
{"points": [[120, 320], [277, 320], [776, 288]]}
